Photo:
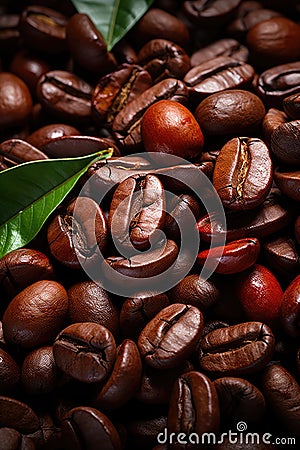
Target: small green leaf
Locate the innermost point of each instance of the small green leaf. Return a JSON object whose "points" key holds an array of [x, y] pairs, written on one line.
{"points": [[30, 192], [113, 18]]}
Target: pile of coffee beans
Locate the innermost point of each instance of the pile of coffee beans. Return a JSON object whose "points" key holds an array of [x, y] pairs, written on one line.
{"points": [[112, 361]]}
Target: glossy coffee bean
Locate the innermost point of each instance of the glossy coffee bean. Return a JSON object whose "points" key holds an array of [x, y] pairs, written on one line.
{"points": [[13, 440], [223, 47], [86, 351], [23, 267], [15, 101], [230, 112], [9, 372], [164, 59], [171, 336], [46, 134], [285, 142], [36, 314], [234, 257], [74, 146], [192, 290], [169, 127], [290, 308], [272, 120], [210, 13], [43, 29], [87, 46], [282, 392], [17, 151], [239, 349], [124, 379], [248, 18], [288, 182], [239, 400], [274, 41], [124, 52], [217, 75], [86, 428], [291, 106], [194, 406], [116, 89], [66, 96], [40, 374], [137, 212], [75, 233], [17, 415], [282, 255], [179, 217], [243, 173]]}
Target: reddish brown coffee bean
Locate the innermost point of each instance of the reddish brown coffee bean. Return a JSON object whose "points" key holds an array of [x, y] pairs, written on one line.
{"points": [[288, 182], [285, 142], [243, 173], [169, 127], [234, 257], [9, 372], [221, 47], [15, 101], [272, 120], [210, 13], [73, 146], [247, 18], [124, 379], [260, 293], [282, 256], [40, 374], [17, 415], [230, 112], [17, 151], [290, 308], [192, 290], [47, 133], [36, 314], [291, 106], [171, 336]]}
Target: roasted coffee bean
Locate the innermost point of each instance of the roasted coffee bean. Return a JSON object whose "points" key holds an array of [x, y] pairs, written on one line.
{"points": [[171, 336], [274, 84], [116, 89], [192, 290], [89, 302], [17, 415], [73, 146], [210, 13], [274, 41], [157, 23], [179, 217], [193, 408], [87, 46], [142, 431], [285, 142], [288, 181], [40, 374], [239, 349], [86, 428], [282, 393], [291, 106], [164, 59], [290, 308], [48, 133], [36, 314], [127, 124], [137, 212], [77, 234], [9, 33], [17, 151], [230, 112], [11, 439], [245, 22], [239, 400], [44, 29], [9, 372], [138, 310], [15, 101], [243, 173], [268, 218], [124, 52], [86, 351], [20, 268], [272, 120], [217, 75], [222, 47], [124, 379], [283, 256], [234, 257], [65, 96]]}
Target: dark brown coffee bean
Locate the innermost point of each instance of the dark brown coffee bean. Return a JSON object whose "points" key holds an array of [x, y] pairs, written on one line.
{"points": [[125, 53], [36, 314], [282, 393], [9, 372], [86, 428], [86, 351], [116, 89], [73, 146], [164, 59], [210, 12], [272, 120], [192, 290], [230, 112], [16, 151], [222, 47], [288, 181], [239, 349], [65, 96], [285, 142], [179, 217], [239, 400], [40, 374], [89, 302], [48, 133], [11, 439], [9, 33], [290, 308], [137, 211], [217, 75], [23, 267], [193, 408], [44, 29], [248, 19], [75, 235], [17, 415], [124, 379], [127, 124], [87, 46], [291, 106], [15, 101], [243, 173], [171, 336], [283, 256], [142, 431]]}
